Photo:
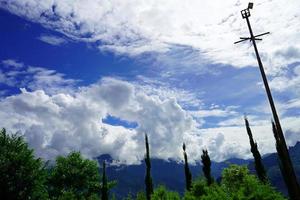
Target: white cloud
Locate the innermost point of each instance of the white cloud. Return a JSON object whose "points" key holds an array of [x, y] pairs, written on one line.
{"points": [[19, 75], [288, 80], [58, 123], [53, 40], [208, 27], [12, 63], [215, 112]]}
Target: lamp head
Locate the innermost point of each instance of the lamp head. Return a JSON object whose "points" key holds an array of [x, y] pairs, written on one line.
{"points": [[250, 5]]}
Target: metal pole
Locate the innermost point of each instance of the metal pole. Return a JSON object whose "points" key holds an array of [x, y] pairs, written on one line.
{"points": [[287, 164]]}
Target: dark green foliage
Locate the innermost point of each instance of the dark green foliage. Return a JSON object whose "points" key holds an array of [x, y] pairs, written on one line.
{"points": [[239, 184], [129, 197], [148, 178], [74, 176], [141, 196], [198, 189], [236, 184], [22, 176], [104, 189], [188, 174], [161, 193], [259, 167], [205, 159]]}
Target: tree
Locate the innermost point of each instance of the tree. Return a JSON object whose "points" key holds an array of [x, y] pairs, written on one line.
{"points": [[198, 189], [141, 195], [75, 176], [238, 183], [206, 166], [259, 167], [148, 178], [22, 175], [188, 175], [104, 189], [161, 193]]}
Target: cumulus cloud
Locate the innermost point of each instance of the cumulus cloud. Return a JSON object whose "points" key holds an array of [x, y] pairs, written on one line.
{"points": [[57, 117], [59, 123], [209, 28], [55, 124]]}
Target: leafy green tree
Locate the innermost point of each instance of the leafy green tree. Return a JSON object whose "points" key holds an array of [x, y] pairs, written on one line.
{"points": [[161, 193], [74, 176], [129, 197], [188, 174], [104, 189], [215, 192], [148, 178], [239, 184], [236, 184], [259, 167], [22, 175], [198, 189], [205, 159], [141, 196]]}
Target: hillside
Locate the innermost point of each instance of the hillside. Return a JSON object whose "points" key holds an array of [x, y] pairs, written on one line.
{"points": [[130, 178]]}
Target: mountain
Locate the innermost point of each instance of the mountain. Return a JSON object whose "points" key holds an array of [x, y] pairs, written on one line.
{"points": [[170, 173]]}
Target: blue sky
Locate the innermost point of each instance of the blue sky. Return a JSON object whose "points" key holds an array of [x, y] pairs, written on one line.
{"points": [[95, 78]]}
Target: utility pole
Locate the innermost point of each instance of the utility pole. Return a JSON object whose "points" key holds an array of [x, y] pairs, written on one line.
{"points": [[287, 169]]}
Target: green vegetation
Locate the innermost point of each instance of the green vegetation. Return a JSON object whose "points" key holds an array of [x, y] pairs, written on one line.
{"points": [[161, 193], [259, 167], [205, 159], [22, 176], [188, 174], [148, 178], [76, 178], [236, 184], [104, 190]]}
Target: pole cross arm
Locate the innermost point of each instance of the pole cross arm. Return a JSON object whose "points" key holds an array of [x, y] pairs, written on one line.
{"points": [[249, 38], [262, 34]]}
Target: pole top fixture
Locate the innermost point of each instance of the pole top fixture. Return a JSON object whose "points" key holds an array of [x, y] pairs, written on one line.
{"points": [[246, 12], [250, 5]]}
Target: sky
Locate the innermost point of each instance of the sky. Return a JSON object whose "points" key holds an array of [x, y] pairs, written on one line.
{"points": [[94, 76]]}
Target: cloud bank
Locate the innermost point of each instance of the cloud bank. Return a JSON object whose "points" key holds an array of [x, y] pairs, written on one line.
{"points": [[57, 121], [208, 27]]}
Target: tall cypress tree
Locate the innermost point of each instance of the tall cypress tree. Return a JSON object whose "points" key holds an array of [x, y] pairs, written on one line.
{"points": [[104, 189], [259, 167], [148, 178], [206, 166], [188, 175], [285, 165]]}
